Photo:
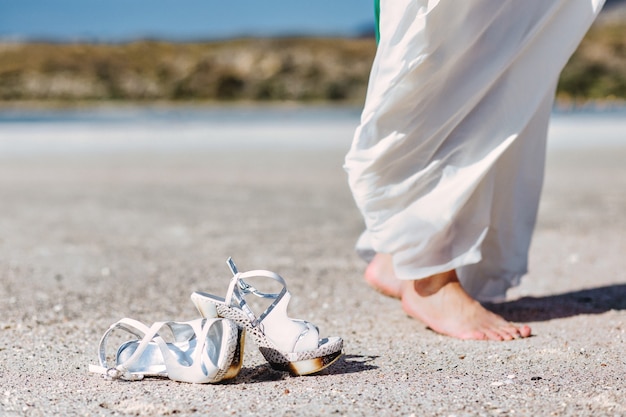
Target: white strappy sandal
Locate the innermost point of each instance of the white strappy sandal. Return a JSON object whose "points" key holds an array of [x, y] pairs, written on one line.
{"points": [[287, 344], [198, 351]]}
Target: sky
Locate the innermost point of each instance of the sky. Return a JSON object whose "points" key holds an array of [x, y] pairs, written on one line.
{"points": [[120, 20]]}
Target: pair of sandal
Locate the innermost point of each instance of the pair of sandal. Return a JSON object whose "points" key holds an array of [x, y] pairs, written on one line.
{"points": [[210, 349]]}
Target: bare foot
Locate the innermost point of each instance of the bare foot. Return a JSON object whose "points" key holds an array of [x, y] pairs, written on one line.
{"points": [[381, 276], [441, 302]]}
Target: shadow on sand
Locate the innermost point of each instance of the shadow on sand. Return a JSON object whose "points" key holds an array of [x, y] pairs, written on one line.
{"points": [[591, 301]]}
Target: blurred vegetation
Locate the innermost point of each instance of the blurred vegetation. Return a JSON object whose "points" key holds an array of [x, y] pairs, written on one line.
{"points": [[597, 70], [300, 69], [244, 69]]}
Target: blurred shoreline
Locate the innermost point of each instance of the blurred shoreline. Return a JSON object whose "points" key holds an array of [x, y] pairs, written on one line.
{"points": [[560, 105], [178, 129]]}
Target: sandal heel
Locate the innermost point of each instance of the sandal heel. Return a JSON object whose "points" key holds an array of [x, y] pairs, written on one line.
{"points": [[237, 362]]}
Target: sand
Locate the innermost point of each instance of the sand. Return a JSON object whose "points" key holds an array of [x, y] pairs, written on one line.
{"points": [[89, 238]]}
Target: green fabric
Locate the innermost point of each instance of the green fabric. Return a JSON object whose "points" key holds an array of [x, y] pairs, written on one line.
{"points": [[377, 16]]}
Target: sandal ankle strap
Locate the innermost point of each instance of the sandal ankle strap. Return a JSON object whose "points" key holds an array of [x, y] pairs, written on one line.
{"points": [[238, 288]]}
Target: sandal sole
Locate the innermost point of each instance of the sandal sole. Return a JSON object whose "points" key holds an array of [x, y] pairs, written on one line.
{"points": [[305, 367]]}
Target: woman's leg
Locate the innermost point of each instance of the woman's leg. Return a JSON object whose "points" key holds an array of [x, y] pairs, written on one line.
{"points": [[457, 92]]}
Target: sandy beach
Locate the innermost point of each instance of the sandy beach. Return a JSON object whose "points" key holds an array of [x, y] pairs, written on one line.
{"points": [[91, 236]]}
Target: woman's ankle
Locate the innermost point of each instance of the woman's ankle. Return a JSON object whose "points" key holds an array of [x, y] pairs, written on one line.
{"points": [[432, 284]]}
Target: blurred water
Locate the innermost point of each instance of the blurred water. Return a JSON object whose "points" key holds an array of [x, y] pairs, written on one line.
{"points": [[184, 129]]}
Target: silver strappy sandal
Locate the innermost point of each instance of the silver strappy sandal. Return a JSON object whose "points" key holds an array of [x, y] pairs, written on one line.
{"points": [[198, 351], [287, 344]]}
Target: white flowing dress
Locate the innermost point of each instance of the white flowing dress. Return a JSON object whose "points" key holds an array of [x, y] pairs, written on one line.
{"points": [[447, 163]]}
